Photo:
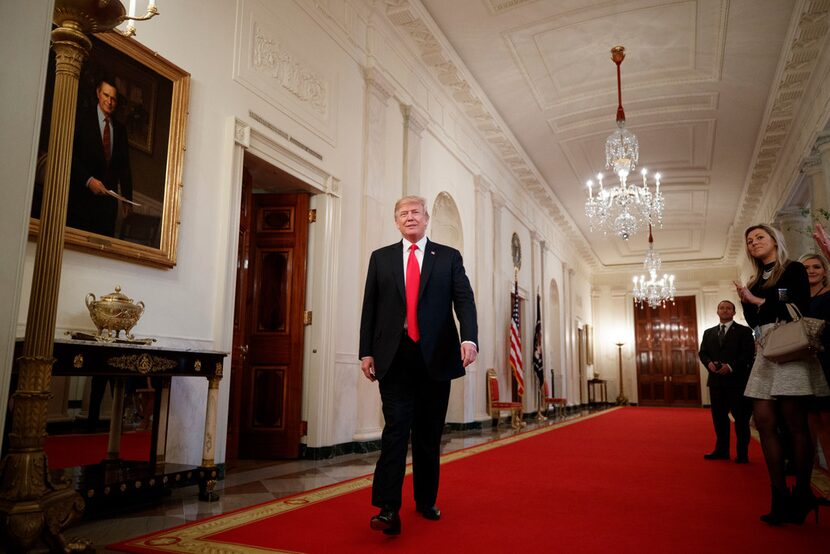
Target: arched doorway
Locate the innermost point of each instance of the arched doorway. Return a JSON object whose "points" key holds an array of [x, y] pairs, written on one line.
{"points": [[445, 228], [555, 351], [445, 222]]}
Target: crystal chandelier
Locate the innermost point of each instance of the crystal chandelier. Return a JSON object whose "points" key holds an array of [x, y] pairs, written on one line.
{"points": [[624, 208], [654, 292]]}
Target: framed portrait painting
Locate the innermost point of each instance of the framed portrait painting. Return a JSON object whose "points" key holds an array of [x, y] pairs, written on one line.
{"points": [[129, 137]]}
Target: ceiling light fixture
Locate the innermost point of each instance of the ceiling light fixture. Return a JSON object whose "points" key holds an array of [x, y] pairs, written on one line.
{"points": [[654, 292], [624, 208]]}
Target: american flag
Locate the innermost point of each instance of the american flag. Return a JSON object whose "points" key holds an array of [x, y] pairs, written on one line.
{"points": [[515, 358]]}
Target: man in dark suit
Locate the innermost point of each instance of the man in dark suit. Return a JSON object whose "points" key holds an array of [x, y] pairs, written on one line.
{"points": [[410, 345], [100, 162], [728, 351]]}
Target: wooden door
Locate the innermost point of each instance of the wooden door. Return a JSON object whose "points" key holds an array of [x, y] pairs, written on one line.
{"points": [[268, 328], [667, 363]]}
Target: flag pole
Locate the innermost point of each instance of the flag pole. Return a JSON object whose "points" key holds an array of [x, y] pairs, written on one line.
{"points": [[538, 363]]}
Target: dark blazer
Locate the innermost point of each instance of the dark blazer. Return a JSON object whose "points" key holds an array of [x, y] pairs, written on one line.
{"points": [[86, 210], [444, 286], [738, 350]]}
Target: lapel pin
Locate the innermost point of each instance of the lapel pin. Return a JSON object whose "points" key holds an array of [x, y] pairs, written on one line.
{"points": [[432, 252]]}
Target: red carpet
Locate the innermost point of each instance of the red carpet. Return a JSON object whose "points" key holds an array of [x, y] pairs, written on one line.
{"points": [[79, 450], [627, 480]]}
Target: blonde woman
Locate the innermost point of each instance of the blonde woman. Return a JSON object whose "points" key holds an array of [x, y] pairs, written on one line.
{"points": [[817, 274], [781, 393]]}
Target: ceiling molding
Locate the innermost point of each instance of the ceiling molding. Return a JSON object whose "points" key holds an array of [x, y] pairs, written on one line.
{"points": [[555, 81], [797, 66], [441, 59]]}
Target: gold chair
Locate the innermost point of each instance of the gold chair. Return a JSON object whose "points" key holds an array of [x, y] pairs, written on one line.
{"points": [[550, 400], [495, 407]]}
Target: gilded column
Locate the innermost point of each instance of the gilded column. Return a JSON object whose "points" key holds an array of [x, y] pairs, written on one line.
{"points": [[31, 506], [33, 510]]}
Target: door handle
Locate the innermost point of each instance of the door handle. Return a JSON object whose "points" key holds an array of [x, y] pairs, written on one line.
{"points": [[244, 350]]}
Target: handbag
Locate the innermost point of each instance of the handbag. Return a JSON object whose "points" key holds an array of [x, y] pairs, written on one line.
{"points": [[798, 339]]}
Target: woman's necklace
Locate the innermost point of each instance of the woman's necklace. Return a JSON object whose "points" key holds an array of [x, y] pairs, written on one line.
{"points": [[766, 273]]}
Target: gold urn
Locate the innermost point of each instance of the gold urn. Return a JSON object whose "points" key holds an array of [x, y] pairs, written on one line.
{"points": [[114, 313]]}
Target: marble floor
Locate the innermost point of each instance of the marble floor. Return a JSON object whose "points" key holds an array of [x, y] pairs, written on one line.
{"points": [[249, 482]]}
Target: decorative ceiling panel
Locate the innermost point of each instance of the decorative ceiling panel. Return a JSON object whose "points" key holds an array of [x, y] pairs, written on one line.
{"points": [[668, 242], [666, 42], [636, 110], [683, 145]]}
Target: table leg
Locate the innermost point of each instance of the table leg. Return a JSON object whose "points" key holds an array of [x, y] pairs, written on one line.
{"points": [[114, 441], [209, 473], [160, 422]]}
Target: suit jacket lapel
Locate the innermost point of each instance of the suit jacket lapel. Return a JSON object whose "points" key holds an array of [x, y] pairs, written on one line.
{"points": [[426, 267], [99, 143], [396, 252]]}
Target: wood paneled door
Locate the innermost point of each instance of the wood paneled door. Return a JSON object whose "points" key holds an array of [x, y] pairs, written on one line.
{"points": [[668, 370], [266, 389]]}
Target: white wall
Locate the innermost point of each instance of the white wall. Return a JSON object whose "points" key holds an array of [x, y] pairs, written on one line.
{"points": [[190, 304], [24, 30]]}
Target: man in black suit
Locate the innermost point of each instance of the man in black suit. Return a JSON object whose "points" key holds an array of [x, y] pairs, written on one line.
{"points": [[728, 351], [410, 345], [100, 162]]}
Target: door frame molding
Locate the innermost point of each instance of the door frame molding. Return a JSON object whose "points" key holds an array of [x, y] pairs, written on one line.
{"points": [[322, 268]]}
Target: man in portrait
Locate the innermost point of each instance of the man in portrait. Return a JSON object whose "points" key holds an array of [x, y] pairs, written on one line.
{"points": [[100, 164]]}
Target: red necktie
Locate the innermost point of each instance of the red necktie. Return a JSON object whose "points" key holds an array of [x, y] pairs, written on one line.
{"points": [[413, 282], [107, 140]]}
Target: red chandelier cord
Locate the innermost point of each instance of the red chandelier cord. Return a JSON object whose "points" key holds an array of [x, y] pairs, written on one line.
{"points": [[617, 56]]}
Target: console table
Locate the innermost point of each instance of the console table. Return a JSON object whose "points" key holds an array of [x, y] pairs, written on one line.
{"points": [[113, 477], [603, 391]]}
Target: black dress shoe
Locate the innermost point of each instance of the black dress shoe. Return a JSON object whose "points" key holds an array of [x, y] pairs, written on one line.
{"points": [[387, 521], [715, 456], [429, 512], [742, 460]]}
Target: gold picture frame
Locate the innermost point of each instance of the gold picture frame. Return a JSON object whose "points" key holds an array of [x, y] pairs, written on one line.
{"points": [[153, 96]]}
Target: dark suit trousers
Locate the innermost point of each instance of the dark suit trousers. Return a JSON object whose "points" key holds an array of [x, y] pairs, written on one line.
{"points": [[725, 400], [412, 404]]}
